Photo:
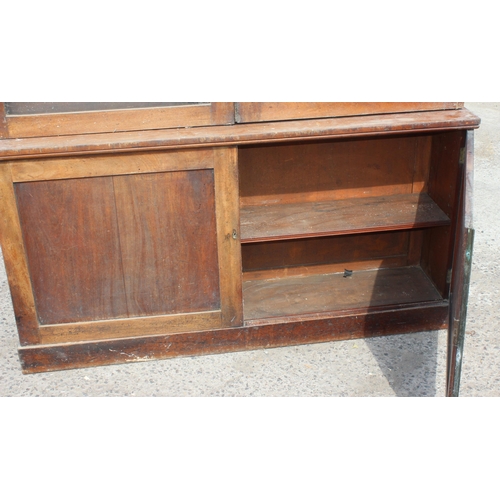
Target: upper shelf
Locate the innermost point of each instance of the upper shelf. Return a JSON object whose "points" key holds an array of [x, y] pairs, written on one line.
{"points": [[240, 134], [326, 218]]}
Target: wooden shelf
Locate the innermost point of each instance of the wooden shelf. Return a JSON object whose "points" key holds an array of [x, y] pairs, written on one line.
{"points": [[325, 293], [357, 215]]}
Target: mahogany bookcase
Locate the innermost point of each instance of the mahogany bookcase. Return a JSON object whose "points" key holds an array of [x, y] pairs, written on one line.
{"points": [[138, 231]]}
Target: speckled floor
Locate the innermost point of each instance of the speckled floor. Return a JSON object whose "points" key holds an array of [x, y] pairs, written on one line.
{"points": [[402, 365]]}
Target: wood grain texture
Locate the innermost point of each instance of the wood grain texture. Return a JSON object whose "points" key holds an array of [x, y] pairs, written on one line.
{"points": [[103, 165], [130, 327], [444, 188], [329, 292], [168, 241], [228, 235], [3, 122], [222, 113], [375, 125], [16, 265], [326, 170], [91, 122], [351, 216], [71, 236], [274, 111], [315, 269], [366, 324], [324, 250]]}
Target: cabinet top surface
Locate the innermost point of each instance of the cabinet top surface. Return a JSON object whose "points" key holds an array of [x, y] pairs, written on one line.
{"points": [[240, 134]]}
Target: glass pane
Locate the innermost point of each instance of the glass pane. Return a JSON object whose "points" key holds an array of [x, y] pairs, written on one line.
{"points": [[35, 108]]}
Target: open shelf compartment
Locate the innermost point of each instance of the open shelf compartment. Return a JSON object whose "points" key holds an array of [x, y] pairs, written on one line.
{"points": [[265, 299]]}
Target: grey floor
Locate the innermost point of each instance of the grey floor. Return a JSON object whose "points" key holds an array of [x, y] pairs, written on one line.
{"points": [[402, 365]]}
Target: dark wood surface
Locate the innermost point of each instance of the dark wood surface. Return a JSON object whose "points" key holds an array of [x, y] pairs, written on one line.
{"points": [[326, 170], [375, 125], [294, 296], [371, 249], [71, 236], [168, 241], [351, 216], [121, 246], [343, 327], [443, 186], [273, 111]]}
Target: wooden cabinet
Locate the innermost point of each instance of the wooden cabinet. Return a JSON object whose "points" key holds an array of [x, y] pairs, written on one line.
{"points": [[139, 245]]}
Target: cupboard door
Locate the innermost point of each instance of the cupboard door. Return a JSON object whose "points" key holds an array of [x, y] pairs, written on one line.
{"points": [[461, 270], [126, 245], [275, 111]]}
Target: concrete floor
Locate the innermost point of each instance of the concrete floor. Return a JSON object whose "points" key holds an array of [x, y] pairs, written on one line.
{"points": [[402, 365]]}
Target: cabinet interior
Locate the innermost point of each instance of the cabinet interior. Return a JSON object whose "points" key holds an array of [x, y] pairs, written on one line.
{"points": [[335, 225]]}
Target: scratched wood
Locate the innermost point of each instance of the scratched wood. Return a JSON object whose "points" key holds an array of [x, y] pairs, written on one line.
{"points": [[356, 126], [329, 292], [363, 324], [130, 327]]}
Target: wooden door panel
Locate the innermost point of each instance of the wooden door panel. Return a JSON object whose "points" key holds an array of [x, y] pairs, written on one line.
{"points": [[135, 253], [168, 241], [71, 237]]}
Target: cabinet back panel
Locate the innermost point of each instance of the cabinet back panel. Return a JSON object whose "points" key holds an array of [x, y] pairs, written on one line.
{"points": [[352, 250], [329, 170]]}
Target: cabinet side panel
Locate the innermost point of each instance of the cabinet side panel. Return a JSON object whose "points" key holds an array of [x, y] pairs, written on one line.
{"points": [[444, 189], [168, 241], [71, 238]]}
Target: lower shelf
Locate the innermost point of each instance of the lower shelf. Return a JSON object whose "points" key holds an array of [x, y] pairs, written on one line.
{"points": [[321, 293]]}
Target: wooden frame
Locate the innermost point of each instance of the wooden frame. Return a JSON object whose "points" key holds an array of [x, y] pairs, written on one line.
{"points": [[247, 112], [92, 122]]}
